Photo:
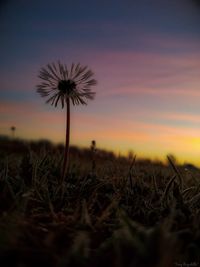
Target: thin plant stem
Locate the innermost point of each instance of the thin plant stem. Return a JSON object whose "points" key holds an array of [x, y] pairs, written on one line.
{"points": [[67, 139]]}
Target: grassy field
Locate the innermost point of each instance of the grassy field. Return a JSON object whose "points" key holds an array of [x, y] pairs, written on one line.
{"points": [[111, 211]]}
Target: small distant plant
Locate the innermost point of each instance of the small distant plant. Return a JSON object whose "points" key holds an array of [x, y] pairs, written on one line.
{"points": [[13, 129], [93, 150], [65, 86]]}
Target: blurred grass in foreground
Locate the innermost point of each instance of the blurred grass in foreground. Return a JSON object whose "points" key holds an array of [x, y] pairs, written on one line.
{"points": [[116, 212]]}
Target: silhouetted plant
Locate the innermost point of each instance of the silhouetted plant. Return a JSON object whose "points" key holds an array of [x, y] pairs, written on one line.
{"points": [[65, 85], [13, 129], [93, 150]]}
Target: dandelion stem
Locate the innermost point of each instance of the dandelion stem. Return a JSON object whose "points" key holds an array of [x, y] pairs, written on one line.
{"points": [[66, 152]]}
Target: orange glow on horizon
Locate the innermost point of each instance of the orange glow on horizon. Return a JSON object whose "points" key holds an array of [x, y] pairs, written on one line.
{"points": [[144, 139]]}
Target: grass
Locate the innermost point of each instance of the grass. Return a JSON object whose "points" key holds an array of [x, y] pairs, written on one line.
{"points": [[111, 211]]}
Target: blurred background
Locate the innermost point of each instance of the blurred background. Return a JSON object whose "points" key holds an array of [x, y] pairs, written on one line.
{"points": [[145, 56]]}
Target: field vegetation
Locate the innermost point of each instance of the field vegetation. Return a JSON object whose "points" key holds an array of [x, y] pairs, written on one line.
{"points": [[110, 211]]}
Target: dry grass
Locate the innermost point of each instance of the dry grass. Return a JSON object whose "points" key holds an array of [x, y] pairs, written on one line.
{"points": [[110, 212]]}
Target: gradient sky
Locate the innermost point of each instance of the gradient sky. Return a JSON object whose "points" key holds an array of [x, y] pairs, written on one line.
{"points": [[146, 58]]}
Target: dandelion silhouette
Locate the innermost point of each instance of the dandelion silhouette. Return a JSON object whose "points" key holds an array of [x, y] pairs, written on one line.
{"points": [[13, 129], [63, 85], [93, 145], [93, 150]]}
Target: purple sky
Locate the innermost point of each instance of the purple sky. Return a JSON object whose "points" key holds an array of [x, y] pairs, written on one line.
{"points": [[146, 58]]}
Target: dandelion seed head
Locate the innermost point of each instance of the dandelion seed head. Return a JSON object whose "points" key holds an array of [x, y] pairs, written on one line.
{"points": [[66, 86], [60, 84]]}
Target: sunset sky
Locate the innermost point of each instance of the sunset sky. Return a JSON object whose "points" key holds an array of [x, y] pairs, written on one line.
{"points": [[145, 56]]}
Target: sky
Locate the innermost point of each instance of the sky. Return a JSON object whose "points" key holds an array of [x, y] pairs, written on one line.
{"points": [[146, 58]]}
